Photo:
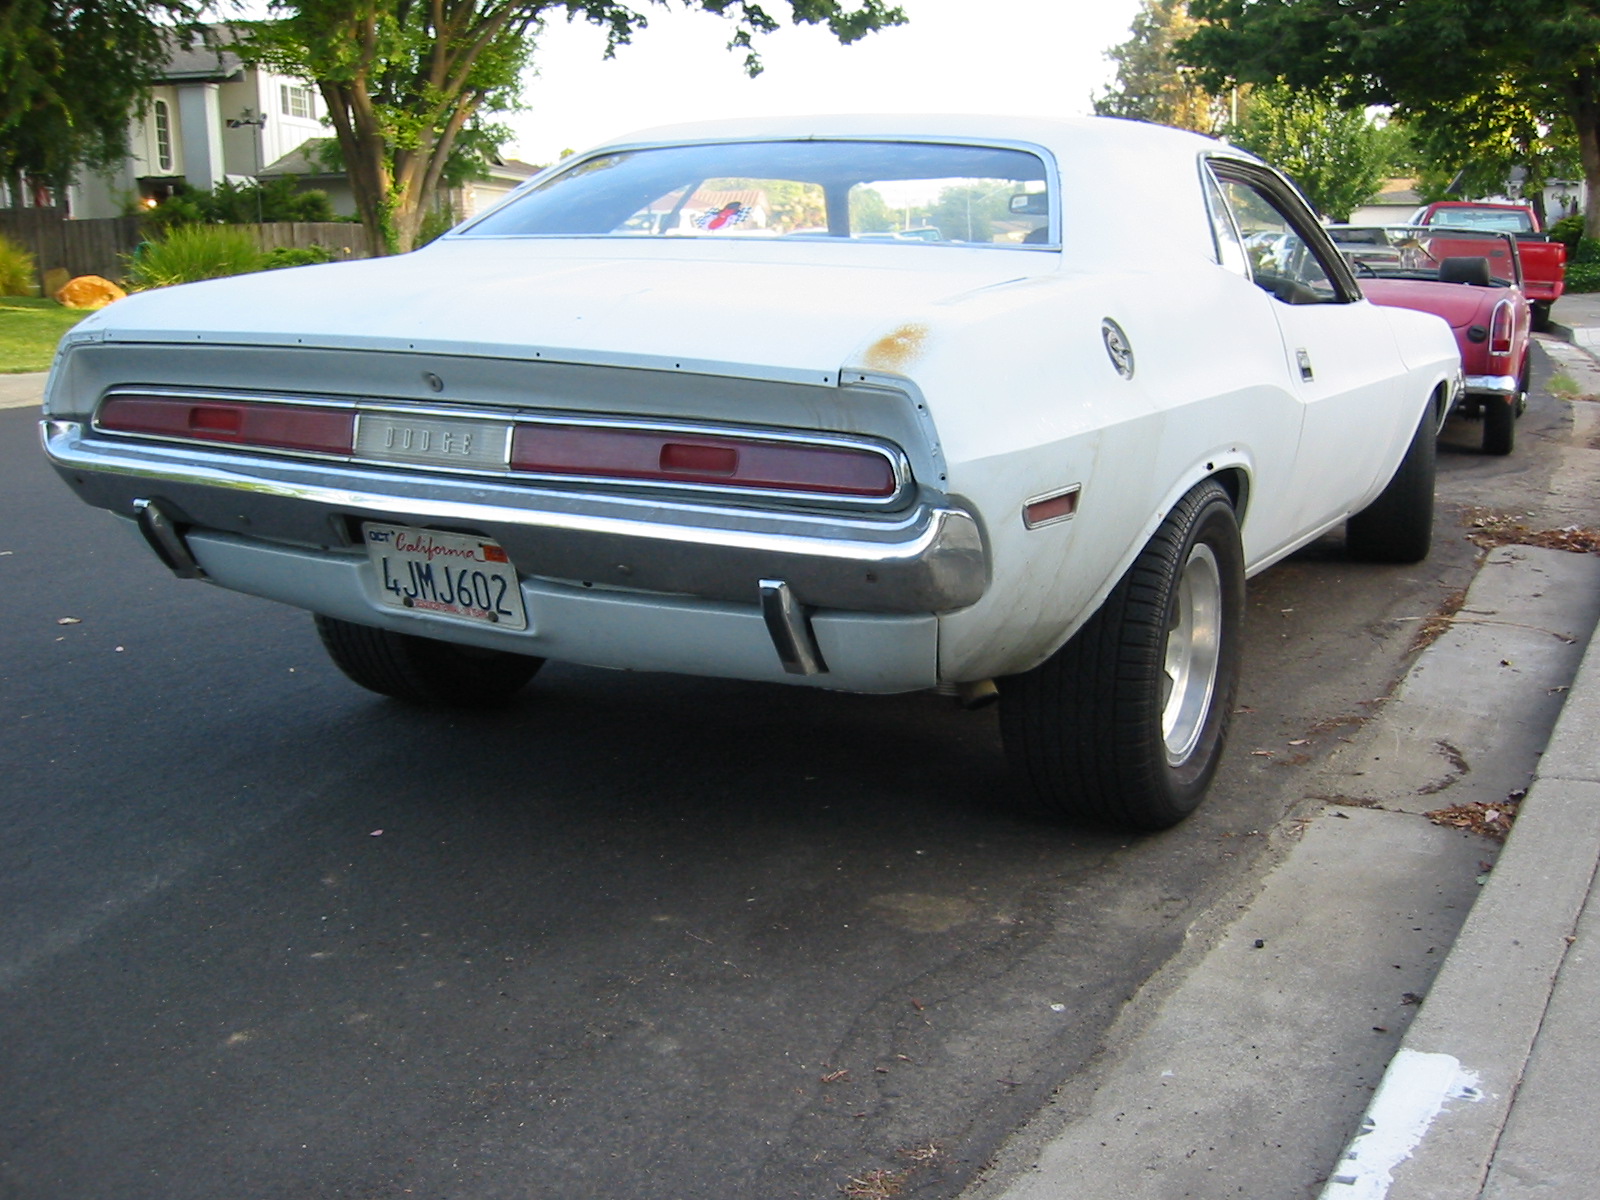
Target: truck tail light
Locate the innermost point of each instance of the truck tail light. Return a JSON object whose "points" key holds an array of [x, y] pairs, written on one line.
{"points": [[1501, 326], [754, 464], [246, 423]]}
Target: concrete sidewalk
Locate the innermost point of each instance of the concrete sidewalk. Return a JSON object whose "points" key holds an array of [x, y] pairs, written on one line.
{"points": [[1491, 1094], [22, 391]]}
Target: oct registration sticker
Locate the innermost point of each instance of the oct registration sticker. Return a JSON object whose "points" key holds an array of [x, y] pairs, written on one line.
{"points": [[448, 574]]}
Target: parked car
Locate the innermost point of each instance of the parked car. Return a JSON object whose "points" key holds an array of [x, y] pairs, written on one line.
{"points": [[1544, 261], [583, 427], [1473, 279]]}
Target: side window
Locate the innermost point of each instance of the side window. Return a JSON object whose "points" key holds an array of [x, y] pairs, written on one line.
{"points": [[1230, 250], [1281, 262]]}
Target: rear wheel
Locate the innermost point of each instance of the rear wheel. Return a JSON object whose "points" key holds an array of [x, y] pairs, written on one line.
{"points": [[1499, 425], [424, 670], [1397, 527], [1124, 725]]}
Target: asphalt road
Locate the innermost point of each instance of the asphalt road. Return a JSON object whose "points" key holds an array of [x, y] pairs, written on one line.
{"points": [[265, 935]]}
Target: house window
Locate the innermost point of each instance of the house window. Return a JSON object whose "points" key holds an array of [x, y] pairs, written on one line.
{"points": [[163, 118], [297, 102]]}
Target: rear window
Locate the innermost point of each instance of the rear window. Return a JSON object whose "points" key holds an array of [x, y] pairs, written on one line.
{"points": [[908, 192], [1497, 220]]}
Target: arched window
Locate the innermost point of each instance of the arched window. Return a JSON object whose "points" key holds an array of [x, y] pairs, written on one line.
{"points": [[163, 123]]}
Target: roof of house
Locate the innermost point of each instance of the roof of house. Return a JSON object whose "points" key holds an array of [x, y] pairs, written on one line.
{"points": [[202, 57]]}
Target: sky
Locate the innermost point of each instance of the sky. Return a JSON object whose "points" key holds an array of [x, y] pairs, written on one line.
{"points": [[1031, 57]]}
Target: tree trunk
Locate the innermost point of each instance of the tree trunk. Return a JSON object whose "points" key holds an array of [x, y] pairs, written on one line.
{"points": [[1586, 116]]}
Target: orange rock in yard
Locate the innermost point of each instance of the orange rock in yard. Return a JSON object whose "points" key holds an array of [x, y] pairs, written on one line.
{"points": [[89, 291]]}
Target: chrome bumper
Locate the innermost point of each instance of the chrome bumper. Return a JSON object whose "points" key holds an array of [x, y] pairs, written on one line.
{"points": [[928, 559], [1491, 385]]}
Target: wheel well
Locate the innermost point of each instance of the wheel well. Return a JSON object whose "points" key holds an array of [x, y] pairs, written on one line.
{"points": [[1441, 405], [1236, 483]]}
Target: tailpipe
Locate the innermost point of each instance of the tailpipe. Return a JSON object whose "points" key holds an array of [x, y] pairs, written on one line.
{"points": [[166, 539]]}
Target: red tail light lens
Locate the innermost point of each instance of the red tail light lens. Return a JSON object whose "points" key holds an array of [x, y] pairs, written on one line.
{"points": [[665, 457], [1500, 328], [233, 422]]}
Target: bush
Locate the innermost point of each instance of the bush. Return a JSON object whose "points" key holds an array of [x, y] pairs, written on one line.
{"points": [[17, 270], [278, 199], [296, 256], [1568, 230], [193, 252], [1583, 277]]}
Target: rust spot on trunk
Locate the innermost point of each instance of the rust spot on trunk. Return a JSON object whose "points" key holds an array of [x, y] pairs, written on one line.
{"points": [[898, 350]]}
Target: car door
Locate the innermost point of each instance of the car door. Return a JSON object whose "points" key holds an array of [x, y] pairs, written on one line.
{"points": [[1342, 361]]}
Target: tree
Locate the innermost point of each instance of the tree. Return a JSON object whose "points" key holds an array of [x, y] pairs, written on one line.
{"points": [[1151, 84], [1338, 157], [1472, 147], [1426, 58], [70, 73], [408, 84]]}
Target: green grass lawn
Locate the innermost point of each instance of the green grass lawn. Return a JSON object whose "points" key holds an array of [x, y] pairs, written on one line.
{"points": [[29, 331]]}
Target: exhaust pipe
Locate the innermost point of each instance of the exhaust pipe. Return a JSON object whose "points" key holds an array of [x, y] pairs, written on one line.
{"points": [[165, 538]]}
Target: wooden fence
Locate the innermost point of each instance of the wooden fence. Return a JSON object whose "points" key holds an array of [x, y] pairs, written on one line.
{"points": [[101, 247]]}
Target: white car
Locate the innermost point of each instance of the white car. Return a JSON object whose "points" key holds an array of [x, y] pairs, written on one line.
{"points": [[679, 405]]}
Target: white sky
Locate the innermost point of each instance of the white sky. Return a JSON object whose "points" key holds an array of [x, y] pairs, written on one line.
{"points": [[1032, 57]]}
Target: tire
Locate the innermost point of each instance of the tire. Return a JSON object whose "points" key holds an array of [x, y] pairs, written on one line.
{"points": [[1500, 425], [423, 670], [1397, 527], [1539, 315], [1124, 725]]}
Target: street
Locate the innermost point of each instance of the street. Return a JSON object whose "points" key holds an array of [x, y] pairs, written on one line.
{"points": [[634, 936]]}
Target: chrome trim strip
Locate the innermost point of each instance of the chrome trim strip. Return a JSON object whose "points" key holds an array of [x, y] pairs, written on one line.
{"points": [[899, 464]]}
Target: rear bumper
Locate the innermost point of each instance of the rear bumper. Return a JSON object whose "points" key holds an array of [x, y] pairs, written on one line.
{"points": [[1502, 387], [609, 580]]}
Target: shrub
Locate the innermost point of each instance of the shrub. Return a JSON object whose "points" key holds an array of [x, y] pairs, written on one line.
{"points": [[296, 256], [1568, 230], [1583, 277], [193, 252], [17, 270], [1586, 251], [278, 199]]}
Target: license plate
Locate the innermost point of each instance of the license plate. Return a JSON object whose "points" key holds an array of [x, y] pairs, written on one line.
{"points": [[447, 574]]}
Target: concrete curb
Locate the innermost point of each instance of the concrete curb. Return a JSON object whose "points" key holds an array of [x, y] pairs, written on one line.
{"points": [[1488, 1095]]}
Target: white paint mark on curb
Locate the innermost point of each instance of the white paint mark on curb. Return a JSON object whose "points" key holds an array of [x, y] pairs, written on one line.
{"points": [[1414, 1091]]}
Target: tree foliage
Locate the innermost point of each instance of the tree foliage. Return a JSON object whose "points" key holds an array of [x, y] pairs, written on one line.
{"points": [[1151, 83], [1338, 157], [409, 85], [1440, 64], [71, 71]]}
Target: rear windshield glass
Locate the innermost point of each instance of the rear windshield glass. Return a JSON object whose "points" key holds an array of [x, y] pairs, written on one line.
{"points": [[882, 191], [1500, 220]]}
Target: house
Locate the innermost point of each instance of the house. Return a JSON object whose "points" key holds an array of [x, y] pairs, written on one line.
{"points": [[210, 117], [309, 161], [1393, 205]]}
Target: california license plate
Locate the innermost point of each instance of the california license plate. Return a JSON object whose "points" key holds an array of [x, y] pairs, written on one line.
{"points": [[447, 574]]}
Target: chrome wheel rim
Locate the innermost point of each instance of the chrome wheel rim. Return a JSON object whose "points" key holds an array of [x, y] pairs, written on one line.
{"points": [[1194, 649]]}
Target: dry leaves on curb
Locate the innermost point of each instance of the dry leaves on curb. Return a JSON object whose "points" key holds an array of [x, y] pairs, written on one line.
{"points": [[1491, 529], [1488, 820]]}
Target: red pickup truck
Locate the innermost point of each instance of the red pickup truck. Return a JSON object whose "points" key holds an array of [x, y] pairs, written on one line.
{"points": [[1544, 262]]}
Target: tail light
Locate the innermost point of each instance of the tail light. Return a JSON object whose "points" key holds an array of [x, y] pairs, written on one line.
{"points": [[591, 451], [303, 427], [1501, 326]]}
